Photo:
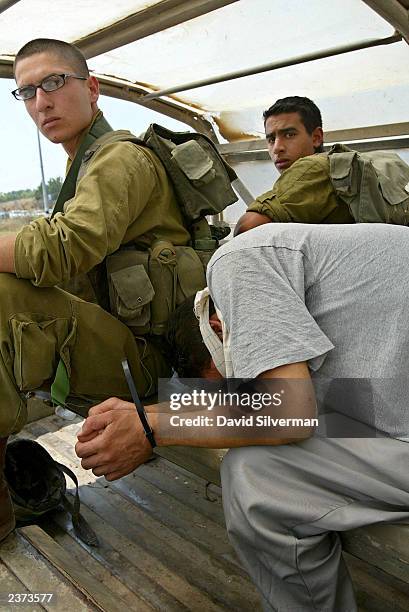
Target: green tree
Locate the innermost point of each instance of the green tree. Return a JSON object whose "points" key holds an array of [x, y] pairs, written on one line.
{"points": [[17, 195], [53, 189]]}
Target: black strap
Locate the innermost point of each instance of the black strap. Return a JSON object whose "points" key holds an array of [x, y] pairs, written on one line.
{"points": [[81, 527], [138, 404]]}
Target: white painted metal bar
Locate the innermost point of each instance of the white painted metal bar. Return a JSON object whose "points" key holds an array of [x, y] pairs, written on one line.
{"points": [[394, 12], [293, 61]]}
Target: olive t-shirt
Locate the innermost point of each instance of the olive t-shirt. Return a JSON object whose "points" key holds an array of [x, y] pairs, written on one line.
{"points": [[304, 193]]}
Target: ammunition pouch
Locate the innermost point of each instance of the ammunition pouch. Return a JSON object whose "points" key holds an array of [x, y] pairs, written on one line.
{"points": [[200, 176], [146, 286]]}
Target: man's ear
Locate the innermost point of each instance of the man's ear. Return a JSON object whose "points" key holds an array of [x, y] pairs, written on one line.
{"points": [[317, 137], [93, 85], [216, 326]]}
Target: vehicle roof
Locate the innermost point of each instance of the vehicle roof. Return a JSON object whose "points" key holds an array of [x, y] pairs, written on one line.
{"points": [[137, 47]]}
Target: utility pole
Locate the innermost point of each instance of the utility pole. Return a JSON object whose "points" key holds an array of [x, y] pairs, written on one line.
{"points": [[43, 184]]}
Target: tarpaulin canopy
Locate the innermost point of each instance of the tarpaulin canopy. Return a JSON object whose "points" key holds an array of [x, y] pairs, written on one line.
{"points": [[139, 47]]}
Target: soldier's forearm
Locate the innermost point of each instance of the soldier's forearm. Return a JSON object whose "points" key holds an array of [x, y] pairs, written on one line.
{"points": [[7, 253]]}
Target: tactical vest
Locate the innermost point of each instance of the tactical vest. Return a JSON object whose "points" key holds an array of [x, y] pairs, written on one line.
{"points": [[143, 287], [374, 185]]}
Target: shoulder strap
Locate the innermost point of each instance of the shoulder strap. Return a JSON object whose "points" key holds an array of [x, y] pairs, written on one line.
{"points": [[99, 127]]}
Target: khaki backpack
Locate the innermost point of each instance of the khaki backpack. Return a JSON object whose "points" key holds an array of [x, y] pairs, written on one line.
{"points": [[375, 185]]}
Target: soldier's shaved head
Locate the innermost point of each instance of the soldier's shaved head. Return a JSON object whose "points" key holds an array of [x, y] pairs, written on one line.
{"points": [[64, 50]]}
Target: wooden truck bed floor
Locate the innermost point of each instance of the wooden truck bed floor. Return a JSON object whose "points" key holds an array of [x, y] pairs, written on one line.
{"points": [[163, 546], [163, 543]]}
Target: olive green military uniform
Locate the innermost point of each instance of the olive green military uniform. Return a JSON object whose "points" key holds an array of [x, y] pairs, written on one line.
{"points": [[124, 196], [304, 194]]}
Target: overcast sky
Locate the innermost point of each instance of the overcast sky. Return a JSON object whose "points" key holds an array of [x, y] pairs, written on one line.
{"points": [[19, 158]]}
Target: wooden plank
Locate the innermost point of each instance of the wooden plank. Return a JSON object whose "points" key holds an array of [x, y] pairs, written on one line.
{"points": [[142, 571], [170, 511], [171, 516], [375, 590], [386, 546], [161, 548], [38, 576], [63, 451], [9, 584], [186, 487], [58, 529], [93, 590]]}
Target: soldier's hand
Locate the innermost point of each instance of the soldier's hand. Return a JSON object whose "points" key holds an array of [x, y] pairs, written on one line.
{"points": [[112, 442]]}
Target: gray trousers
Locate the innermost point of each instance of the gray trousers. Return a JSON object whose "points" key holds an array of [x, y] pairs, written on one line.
{"points": [[283, 506]]}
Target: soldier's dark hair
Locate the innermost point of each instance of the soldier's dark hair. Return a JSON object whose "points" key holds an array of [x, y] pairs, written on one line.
{"points": [[187, 352], [64, 50], [309, 112]]}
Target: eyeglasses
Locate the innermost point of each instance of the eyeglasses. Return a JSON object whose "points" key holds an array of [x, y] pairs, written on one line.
{"points": [[50, 83]]}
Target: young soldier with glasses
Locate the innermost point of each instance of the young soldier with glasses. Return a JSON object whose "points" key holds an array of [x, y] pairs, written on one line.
{"points": [[121, 195]]}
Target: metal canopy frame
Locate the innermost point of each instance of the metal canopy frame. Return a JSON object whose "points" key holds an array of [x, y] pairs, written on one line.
{"points": [[6, 68], [151, 20], [394, 12], [361, 146], [6, 4], [389, 136], [389, 130], [125, 90], [293, 61]]}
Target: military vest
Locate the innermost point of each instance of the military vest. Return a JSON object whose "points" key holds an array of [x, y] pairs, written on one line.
{"points": [[374, 185], [143, 287]]}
